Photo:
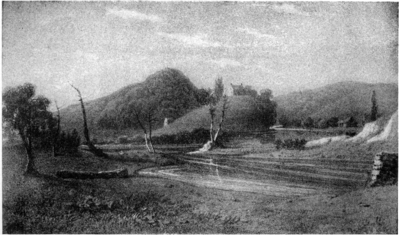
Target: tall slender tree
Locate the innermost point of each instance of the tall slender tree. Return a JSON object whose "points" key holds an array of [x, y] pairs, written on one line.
{"points": [[374, 108], [219, 89], [215, 97], [266, 108]]}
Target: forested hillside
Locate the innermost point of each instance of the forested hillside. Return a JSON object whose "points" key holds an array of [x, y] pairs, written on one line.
{"points": [[342, 100], [170, 92], [242, 115]]}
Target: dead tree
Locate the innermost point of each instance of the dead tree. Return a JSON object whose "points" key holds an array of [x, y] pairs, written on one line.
{"points": [[212, 110], [92, 148], [223, 113], [57, 131]]}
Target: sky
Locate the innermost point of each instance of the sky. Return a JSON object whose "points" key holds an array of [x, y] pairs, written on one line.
{"points": [[101, 47]]}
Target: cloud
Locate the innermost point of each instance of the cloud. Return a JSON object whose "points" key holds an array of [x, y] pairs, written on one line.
{"points": [[256, 34], [199, 40], [132, 14], [266, 40], [224, 62], [89, 57], [288, 9]]}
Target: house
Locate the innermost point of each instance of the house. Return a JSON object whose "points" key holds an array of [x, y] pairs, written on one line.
{"points": [[348, 122]]}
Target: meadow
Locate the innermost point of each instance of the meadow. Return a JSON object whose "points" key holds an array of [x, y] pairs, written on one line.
{"points": [[250, 187]]}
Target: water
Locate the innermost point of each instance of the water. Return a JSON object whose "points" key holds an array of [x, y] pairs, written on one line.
{"points": [[236, 168]]}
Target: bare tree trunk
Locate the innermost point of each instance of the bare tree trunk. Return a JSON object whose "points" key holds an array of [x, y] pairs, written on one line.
{"points": [[212, 114], [150, 128], [30, 166], [57, 134], [224, 108], [92, 148], [146, 141]]}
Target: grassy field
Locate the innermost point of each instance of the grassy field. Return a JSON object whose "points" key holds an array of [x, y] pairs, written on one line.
{"points": [[144, 204]]}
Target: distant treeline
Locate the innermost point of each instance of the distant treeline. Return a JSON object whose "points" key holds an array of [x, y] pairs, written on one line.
{"points": [[309, 122]]}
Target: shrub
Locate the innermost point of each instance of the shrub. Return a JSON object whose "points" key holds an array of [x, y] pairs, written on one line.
{"points": [[291, 144], [123, 140], [198, 135], [69, 142]]}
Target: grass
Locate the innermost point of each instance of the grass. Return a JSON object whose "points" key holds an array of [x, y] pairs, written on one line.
{"points": [[143, 205], [72, 209], [95, 206]]}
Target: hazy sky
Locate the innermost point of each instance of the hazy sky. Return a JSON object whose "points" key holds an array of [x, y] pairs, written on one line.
{"points": [[102, 46]]}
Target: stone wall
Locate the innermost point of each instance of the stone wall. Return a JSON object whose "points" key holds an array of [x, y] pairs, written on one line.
{"points": [[385, 168]]}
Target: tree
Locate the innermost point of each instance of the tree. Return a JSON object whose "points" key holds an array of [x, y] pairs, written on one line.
{"points": [[284, 120], [332, 122], [266, 108], [55, 129], [374, 109], [29, 115], [203, 95], [309, 122], [215, 97], [218, 89], [143, 113], [92, 148]]}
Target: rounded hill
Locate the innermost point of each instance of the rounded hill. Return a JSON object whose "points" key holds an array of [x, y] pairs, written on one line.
{"points": [[175, 91], [241, 115]]}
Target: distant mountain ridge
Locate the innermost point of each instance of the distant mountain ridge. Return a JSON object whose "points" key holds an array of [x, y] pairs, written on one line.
{"points": [[342, 100]]}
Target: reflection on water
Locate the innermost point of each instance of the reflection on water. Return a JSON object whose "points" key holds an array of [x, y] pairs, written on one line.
{"points": [[214, 169], [234, 170]]}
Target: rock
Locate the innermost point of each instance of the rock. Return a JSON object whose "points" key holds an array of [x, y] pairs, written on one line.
{"points": [[205, 148]]}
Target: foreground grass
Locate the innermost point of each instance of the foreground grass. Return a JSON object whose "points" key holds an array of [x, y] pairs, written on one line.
{"points": [[73, 208], [113, 206], [44, 205]]}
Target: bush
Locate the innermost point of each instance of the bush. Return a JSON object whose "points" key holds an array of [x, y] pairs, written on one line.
{"points": [[198, 135], [291, 144], [69, 142], [123, 140]]}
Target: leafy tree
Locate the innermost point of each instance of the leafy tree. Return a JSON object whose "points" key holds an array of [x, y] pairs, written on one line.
{"points": [[266, 108], [309, 122], [218, 89], [215, 97], [321, 123], [244, 90], [29, 115], [332, 122], [295, 122], [203, 95], [284, 120], [144, 113], [374, 109], [69, 142]]}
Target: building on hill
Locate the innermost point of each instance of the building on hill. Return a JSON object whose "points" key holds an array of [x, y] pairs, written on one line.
{"points": [[348, 122], [166, 122]]}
